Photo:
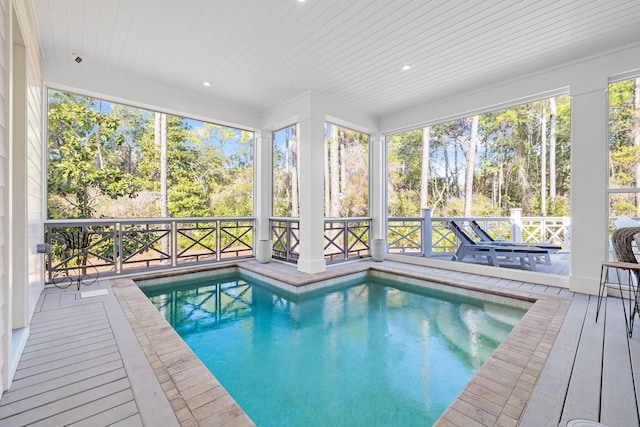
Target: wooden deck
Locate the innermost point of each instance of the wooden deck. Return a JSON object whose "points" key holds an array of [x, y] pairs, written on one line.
{"points": [[559, 263], [82, 365], [85, 363]]}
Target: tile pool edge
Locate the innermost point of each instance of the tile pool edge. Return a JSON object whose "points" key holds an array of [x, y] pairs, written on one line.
{"points": [[196, 396], [496, 395]]}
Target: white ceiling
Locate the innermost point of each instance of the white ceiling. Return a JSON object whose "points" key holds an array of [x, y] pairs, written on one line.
{"points": [[260, 53]]}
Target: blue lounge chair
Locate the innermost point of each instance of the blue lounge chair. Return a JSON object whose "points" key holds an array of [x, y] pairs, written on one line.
{"points": [[486, 238], [526, 255]]}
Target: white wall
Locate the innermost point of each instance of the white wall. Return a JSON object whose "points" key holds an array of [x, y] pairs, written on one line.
{"points": [[5, 323], [586, 81], [36, 183], [143, 94], [21, 178]]}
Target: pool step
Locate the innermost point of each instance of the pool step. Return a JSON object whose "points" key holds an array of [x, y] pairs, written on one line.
{"points": [[507, 315], [475, 349], [480, 323]]}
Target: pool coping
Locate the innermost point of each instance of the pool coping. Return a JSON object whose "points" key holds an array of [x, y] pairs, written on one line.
{"points": [[496, 395]]}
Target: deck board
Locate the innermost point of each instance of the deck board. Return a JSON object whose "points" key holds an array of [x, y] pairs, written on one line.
{"points": [[554, 380], [618, 394], [126, 411], [19, 393], [583, 395], [73, 370]]}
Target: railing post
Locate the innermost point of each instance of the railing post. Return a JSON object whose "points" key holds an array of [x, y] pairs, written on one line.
{"points": [[427, 232], [345, 239], [218, 240], [515, 217], [173, 243], [287, 234], [117, 247]]}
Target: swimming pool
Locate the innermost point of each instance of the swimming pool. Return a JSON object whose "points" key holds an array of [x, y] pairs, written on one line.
{"points": [[366, 352]]}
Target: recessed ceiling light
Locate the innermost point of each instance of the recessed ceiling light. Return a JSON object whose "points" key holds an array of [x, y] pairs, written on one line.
{"points": [[301, 1], [207, 84], [406, 67]]}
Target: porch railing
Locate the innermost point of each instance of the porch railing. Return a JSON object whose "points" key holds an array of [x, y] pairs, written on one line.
{"points": [[112, 246], [427, 236], [344, 239], [285, 239]]}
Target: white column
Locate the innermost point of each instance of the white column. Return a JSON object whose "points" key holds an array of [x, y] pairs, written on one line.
{"points": [[377, 184], [588, 185], [263, 200], [311, 160]]}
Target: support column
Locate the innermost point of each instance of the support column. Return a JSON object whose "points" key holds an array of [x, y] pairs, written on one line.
{"points": [[377, 183], [311, 164], [263, 200], [588, 185]]}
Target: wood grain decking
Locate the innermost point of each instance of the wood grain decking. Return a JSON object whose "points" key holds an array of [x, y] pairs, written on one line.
{"points": [[82, 365], [111, 360]]}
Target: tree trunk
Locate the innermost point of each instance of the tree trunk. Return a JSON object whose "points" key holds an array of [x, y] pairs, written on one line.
{"points": [[327, 180], [635, 129], [445, 157], [160, 137], [294, 173], [164, 199], [470, 167], [543, 159], [334, 151], [455, 183], [424, 172], [287, 170], [552, 150], [343, 167]]}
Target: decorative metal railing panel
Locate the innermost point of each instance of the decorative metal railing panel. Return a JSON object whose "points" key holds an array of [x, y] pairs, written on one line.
{"points": [[235, 239], [405, 235], [346, 239], [197, 241], [285, 238], [88, 247]]}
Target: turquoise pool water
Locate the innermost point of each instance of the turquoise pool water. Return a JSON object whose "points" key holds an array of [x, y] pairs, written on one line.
{"points": [[366, 353]]}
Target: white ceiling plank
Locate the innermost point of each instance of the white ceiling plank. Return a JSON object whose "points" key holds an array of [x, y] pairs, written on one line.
{"points": [[261, 53], [45, 28], [58, 19], [75, 13]]}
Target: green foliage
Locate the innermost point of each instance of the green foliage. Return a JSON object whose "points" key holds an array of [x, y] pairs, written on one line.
{"points": [[81, 142], [104, 161], [624, 125], [507, 167]]}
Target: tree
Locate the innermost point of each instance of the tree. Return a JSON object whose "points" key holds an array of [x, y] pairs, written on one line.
{"points": [[334, 172], [470, 168], [80, 139], [552, 150], [635, 131], [543, 159], [424, 170]]}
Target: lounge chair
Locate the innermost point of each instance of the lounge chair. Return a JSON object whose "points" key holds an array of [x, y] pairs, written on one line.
{"points": [[486, 238], [468, 247]]}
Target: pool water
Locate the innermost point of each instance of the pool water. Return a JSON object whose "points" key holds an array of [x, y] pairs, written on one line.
{"points": [[366, 353]]}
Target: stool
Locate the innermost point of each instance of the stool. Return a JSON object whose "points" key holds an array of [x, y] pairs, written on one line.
{"points": [[632, 269]]}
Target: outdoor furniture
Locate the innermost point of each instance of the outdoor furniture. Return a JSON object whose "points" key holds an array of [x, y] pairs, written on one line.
{"points": [[622, 241], [74, 265], [526, 255], [485, 237]]}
